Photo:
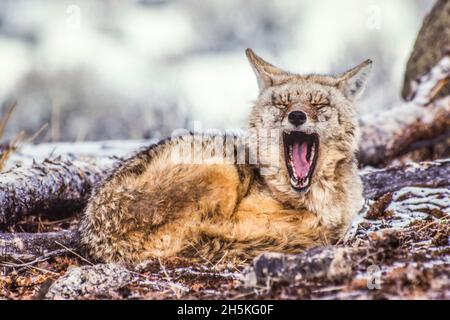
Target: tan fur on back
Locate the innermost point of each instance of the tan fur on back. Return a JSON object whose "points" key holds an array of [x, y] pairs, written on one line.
{"points": [[151, 206]]}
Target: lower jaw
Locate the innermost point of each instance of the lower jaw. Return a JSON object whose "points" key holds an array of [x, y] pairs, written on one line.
{"points": [[308, 180], [301, 189]]}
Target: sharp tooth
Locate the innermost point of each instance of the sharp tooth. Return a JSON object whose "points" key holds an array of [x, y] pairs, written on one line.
{"points": [[293, 181], [306, 181], [294, 173], [311, 153]]}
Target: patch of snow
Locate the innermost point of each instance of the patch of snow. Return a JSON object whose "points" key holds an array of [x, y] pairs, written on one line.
{"points": [[99, 150]]}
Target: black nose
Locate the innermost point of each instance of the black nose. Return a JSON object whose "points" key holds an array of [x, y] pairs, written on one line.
{"points": [[297, 118]]}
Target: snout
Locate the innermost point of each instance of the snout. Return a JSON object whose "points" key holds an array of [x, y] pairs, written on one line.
{"points": [[297, 118]]}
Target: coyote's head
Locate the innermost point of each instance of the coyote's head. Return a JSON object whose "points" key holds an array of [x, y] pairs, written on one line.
{"points": [[316, 121]]}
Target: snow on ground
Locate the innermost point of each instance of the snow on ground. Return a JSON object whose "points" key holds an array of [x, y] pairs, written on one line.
{"points": [[28, 153]]}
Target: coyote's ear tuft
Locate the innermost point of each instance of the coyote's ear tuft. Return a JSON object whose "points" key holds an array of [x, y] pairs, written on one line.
{"points": [[353, 82], [266, 73]]}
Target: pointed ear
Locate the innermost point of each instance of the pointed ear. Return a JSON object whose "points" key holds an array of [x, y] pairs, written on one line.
{"points": [[353, 82], [266, 74]]}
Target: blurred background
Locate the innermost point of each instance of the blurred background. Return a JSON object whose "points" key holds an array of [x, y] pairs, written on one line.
{"points": [[96, 70]]}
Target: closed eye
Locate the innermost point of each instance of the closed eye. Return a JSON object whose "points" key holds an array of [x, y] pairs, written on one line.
{"points": [[281, 106], [321, 106], [278, 105]]}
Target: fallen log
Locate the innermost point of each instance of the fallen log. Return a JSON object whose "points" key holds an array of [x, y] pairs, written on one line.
{"points": [[424, 174], [389, 134], [48, 186], [19, 247], [324, 264]]}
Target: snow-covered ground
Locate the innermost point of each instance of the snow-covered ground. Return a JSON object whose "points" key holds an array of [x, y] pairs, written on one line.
{"points": [[29, 153]]}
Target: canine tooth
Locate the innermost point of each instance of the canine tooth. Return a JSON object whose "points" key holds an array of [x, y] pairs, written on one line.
{"points": [[311, 154]]}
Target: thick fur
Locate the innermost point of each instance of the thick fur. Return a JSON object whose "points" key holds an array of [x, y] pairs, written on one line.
{"points": [[152, 206]]}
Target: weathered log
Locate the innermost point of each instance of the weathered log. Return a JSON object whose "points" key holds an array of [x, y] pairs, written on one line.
{"points": [[48, 186], [322, 263], [391, 133], [31, 246], [423, 174]]}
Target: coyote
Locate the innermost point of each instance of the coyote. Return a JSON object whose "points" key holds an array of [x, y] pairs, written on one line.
{"points": [[301, 195]]}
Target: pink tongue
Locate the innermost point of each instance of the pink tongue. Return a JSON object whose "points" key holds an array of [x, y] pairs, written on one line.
{"points": [[301, 165]]}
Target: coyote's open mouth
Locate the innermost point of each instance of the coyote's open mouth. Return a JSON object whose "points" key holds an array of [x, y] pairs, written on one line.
{"points": [[300, 153]]}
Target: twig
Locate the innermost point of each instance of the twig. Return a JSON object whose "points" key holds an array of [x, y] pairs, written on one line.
{"points": [[328, 289], [172, 286], [37, 133], [43, 270], [198, 253], [432, 223], [5, 118], [74, 253], [37, 260], [367, 256]]}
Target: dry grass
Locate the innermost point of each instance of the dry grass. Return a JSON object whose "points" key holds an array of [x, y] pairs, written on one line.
{"points": [[14, 144]]}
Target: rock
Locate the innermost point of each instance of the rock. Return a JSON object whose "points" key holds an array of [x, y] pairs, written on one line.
{"points": [[326, 263], [101, 280]]}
